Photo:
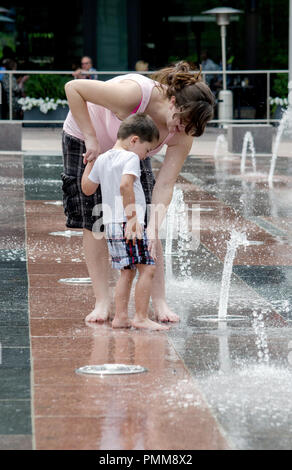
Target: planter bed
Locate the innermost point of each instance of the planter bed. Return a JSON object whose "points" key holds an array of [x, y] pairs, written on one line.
{"points": [[35, 114]]}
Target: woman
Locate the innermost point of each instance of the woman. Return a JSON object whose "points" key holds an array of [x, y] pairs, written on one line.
{"points": [[180, 104]]}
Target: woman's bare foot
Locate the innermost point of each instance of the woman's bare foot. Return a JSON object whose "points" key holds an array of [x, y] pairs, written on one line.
{"points": [[121, 322], [163, 312], [99, 314], [148, 324]]}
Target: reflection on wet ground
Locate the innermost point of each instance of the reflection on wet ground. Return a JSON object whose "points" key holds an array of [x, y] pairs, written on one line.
{"points": [[209, 385]]}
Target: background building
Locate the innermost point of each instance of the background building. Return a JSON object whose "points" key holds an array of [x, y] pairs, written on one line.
{"points": [[116, 33]]}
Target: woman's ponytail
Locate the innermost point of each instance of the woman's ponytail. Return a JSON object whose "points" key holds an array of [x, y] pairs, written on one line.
{"points": [[177, 76]]}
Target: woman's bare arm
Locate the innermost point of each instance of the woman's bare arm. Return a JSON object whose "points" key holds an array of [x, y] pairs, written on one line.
{"points": [[174, 159], [121, 98], [133, 229]]}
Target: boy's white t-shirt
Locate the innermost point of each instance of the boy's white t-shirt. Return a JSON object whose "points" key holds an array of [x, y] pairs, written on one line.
{"points": [[107, 171]]}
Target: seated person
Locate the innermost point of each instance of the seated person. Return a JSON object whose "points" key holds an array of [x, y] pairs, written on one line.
{"points": [[86, 66]]}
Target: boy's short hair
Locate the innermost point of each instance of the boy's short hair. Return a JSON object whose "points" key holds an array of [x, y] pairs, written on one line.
{"points": [[139, 124]]}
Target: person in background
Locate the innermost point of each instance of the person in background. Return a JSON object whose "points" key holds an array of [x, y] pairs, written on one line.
{"points": [[141, 66], [86, 66], [17, 90], [1, 74], [7, 53], [207, 66]]}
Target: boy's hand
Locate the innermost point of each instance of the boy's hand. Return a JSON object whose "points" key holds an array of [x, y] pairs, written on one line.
{"points": [[88, 187], [133, 230]]}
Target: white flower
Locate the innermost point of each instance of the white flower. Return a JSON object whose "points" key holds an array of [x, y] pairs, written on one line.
{"points": [[44, 105], [278, 101], [62, 102]]}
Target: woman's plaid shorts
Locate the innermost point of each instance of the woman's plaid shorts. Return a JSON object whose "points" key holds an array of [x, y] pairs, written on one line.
{"points": [[79, 208], [126, 255]]}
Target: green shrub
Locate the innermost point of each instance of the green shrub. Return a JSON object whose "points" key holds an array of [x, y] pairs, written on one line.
{"points": [[280, 85], [42, 86]]}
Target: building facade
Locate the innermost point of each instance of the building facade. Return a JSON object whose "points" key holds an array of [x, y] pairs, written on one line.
{"points": [[117, 33]]}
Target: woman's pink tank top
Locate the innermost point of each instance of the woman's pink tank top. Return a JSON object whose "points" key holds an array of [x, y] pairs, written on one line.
{"points": [[105, 122]]}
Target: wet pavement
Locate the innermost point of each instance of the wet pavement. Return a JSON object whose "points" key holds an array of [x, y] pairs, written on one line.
{"points": [[209, 384]]}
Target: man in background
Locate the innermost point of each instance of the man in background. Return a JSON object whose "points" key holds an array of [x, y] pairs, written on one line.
{"points": [[86, 66]]}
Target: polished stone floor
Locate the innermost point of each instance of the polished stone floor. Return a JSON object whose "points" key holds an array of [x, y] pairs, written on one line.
{"points": [[209, 384]]}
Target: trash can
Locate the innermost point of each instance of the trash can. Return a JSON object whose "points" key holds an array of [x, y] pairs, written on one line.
{"points": [[225, 105]]}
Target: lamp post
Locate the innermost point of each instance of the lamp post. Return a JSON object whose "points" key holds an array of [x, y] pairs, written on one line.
{"points": [[225, 96]]}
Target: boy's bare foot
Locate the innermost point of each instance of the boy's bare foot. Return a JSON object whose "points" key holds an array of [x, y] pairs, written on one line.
{"points": [[122, 322], [99, 314], [148, 324], [163, 312]]}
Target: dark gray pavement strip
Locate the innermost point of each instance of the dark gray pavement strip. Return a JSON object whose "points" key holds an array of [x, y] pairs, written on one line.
{"points": [[273, 283], [14, 417], [15, 368], [43, 177]]}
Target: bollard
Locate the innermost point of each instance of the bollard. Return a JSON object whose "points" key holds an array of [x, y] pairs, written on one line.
{"points": [[225, 105]]}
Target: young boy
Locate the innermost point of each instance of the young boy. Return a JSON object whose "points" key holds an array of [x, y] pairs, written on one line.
{"points": [[124, 207]]}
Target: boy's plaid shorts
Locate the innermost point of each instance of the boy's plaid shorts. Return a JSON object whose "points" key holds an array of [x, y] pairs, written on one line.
{"points": [[126, 255]]}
